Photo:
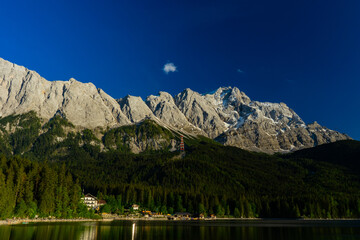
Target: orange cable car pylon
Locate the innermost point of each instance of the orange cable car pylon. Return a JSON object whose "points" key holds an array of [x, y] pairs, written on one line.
{"points": [[182, 146]]}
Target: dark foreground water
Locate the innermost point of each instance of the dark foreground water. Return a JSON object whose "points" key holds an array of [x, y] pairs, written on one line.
{"points": [[169, 230]]}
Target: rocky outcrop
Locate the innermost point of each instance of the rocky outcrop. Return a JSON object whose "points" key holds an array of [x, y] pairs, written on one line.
{"points": [[23, 90], [200, 112], [137, 145], [272, 127], [135, 108], [233, 119], [164, 108], [227, 114]]}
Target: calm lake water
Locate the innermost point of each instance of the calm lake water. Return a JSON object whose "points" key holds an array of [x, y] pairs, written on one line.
{"points": [[169, 230]]}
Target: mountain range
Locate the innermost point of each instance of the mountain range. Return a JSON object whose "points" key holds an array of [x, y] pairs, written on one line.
{"points": [[129, 148], [226, 115]]}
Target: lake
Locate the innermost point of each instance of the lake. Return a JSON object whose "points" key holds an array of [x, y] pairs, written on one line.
{"points": [[170, 230]]}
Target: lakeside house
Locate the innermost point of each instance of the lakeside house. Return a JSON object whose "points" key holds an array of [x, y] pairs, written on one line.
{"points": [[101, 202], [135, 207], [92, 202]]}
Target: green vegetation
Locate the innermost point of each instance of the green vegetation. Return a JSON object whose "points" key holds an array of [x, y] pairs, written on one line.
{"points": [[216, 179], [30, 189], [321, 182], [45, 144], [24, 130], [119, 138], [343, 153]]}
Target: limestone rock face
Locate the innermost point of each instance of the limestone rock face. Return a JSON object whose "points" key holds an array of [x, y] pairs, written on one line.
{"points": [[23, 90], [113, 105], [163, 106], [200, 112], [274, 127], [135, 108], [137, 146], [233, 119], [226, 115]]}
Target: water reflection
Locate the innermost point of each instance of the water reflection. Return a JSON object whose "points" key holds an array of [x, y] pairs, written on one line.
{"points": [[279, 230], [133, 232], [90, 232]]}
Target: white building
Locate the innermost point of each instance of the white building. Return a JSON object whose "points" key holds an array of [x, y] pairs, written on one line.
{"points": [[135, 207], [90, 201]]}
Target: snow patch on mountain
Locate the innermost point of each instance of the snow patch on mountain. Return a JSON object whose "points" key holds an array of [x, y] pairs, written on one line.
{"points": [[226, 114]]}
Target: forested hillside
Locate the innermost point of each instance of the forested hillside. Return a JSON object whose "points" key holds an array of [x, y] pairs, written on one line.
{"points": [[222, 180], [30, 189], [345, 153], [210, 178]]}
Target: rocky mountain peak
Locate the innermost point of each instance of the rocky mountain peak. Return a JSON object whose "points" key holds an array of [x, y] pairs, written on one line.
{"points": [[163, 106], [227, 95], [135, 108], [161, 97], [23, 90], [226, 114], [200, 112]]}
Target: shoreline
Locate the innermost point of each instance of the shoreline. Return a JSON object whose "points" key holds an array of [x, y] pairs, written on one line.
{"points": [[52, 220], [25, 220]]}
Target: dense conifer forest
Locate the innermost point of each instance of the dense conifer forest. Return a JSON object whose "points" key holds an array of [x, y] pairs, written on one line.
{"points": [[33, 189], [45, 166]]}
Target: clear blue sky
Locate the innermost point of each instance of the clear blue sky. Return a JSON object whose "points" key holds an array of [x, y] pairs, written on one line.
{"points": [[303, 53]]}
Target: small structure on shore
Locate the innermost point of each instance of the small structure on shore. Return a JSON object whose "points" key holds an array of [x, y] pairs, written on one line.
{"points": [[135, 207], [92, 202], [182, 216], [101, 203], [146, 213]]}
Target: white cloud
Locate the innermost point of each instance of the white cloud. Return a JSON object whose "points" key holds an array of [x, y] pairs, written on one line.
{"points": [[239, 70], [169, 67]]}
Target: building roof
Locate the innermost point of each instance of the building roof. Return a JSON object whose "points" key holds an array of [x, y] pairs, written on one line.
{"points": [[90, 195]]}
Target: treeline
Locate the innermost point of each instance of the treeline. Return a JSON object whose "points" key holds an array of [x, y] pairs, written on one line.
{"points": [[210, 179], [219, 180], [167, 202], [30, 189]]}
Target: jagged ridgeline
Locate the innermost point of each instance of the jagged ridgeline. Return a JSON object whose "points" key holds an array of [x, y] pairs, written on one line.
{"points": [[130, 148], [227, 114]]}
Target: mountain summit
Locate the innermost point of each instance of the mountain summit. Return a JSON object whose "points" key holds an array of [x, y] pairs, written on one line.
{"points": [[227, 115], [23, 90]]}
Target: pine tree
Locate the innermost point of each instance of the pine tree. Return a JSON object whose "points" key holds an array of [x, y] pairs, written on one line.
{"points": [[9, 194], [202, 209], [248, 210], [227, 212], [179, 206], [219, 211], [47, 191], [297, 211], [21, 209], [237, 213]]}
